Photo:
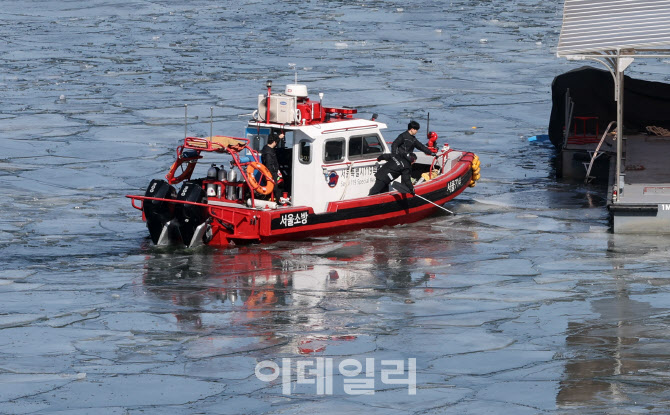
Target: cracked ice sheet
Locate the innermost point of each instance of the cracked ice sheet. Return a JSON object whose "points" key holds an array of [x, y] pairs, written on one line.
{"points": [[520, 260], [131, 391], [430, 344]]}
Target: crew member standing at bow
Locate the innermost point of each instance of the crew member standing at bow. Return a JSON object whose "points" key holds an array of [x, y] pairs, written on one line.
{"points": [[270, 161], [407, 142], [396, 165]]}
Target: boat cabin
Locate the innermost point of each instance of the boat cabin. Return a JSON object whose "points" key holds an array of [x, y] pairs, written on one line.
{"points": [[325, 163], [326, 155]]}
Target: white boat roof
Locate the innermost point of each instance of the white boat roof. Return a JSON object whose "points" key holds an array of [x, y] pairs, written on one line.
{"points": [[327, 129], [605, 27]]}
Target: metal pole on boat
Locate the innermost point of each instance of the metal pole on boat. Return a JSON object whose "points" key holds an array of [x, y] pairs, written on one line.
{"points": [[428, 127], [268, 84], [185, 120], [403, 189], [622, 62], [619, 128]]}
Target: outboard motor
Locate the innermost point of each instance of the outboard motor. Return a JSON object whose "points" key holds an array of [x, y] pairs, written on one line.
{"points": [[190, 217], [156, 212]]}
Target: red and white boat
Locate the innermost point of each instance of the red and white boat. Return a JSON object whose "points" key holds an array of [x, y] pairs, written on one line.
{"points": [[328, 162]]}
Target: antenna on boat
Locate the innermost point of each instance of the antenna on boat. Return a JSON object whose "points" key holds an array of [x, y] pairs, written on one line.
{"points": [[295, 70], [268, 84], [185, 120], [428, 127], [211, 121]]}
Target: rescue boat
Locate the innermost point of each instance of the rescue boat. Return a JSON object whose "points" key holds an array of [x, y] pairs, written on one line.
{"points": [[328, 161]]}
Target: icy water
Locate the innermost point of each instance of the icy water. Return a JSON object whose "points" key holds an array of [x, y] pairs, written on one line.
{"points": [[521, 303]]}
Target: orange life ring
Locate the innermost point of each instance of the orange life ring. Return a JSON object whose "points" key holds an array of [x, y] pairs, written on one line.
{"points": [[269, 186], [186, 174]]}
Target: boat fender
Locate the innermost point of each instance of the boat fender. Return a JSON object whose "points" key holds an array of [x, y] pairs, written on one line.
{"points": [[430, 176], [475, 171], [269, 186]]}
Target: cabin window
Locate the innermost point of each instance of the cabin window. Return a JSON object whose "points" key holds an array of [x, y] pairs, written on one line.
{"points": [[257, 137], [334, 151], [305, 154], [366, 146]]}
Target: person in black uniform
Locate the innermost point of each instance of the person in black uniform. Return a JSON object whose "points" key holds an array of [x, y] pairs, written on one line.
{"points": [[269, 158], [407, 142], [396, 165]]}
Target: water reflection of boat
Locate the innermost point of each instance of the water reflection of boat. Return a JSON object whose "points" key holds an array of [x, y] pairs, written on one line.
{"points": [[287, 298], [327, 162]]}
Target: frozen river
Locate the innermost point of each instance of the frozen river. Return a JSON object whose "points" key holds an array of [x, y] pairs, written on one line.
{"points": [[521, 303]]}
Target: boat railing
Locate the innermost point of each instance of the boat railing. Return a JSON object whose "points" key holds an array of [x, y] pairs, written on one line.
{"points": [[230, 145], [595, 154]]}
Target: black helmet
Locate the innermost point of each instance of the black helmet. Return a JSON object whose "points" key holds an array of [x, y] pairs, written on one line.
{"points": [[411, 157], [413, 125]]}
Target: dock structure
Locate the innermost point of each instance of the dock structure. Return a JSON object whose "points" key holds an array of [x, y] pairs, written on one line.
{"points": [[615, 34]]}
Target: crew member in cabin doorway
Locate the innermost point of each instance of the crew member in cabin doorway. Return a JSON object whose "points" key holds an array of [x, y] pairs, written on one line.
{"points": [[396, 165], [269, 158], [407, 141]]}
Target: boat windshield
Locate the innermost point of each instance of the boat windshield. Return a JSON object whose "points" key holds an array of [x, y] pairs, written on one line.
{"points": [[258, 137]]}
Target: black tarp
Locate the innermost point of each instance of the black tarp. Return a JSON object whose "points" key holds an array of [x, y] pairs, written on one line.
{"points": [[646, 103]]}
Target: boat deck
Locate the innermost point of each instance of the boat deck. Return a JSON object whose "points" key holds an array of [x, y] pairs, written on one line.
{"points": [[644, 203], [647, 176]]}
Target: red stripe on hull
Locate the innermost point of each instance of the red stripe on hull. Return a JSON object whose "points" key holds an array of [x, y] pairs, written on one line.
{"points": [[348, 225], [396, 217]]}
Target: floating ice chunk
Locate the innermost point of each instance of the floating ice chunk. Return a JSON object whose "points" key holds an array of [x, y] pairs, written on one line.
{"points": [[483, 40], [527, 216], [12, 286], [17, 320], [225, 345], [400, 10], [16, 274], [341, 45]]}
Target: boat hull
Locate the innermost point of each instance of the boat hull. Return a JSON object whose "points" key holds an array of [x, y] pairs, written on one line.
{"points": [[386, 209], [228, 223]]}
